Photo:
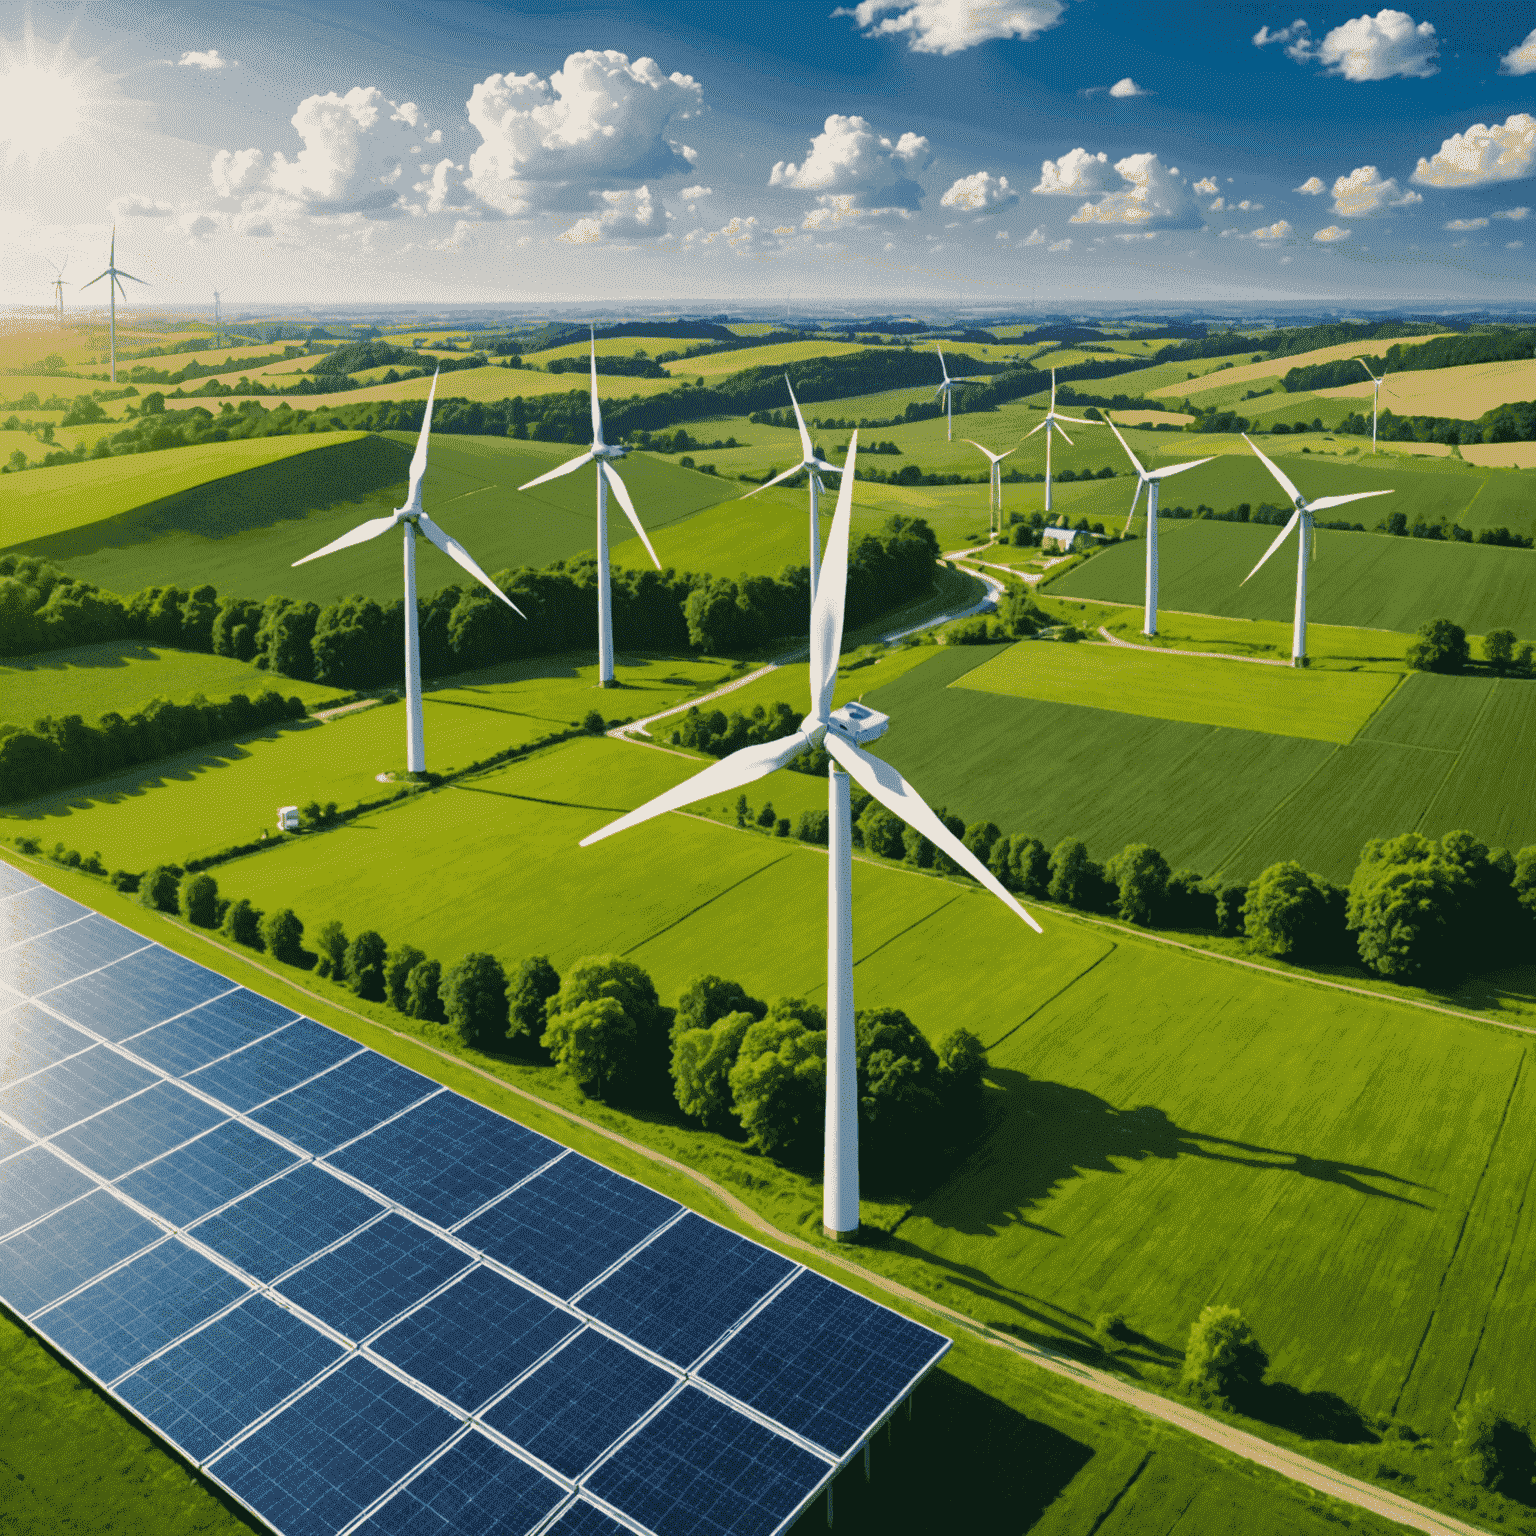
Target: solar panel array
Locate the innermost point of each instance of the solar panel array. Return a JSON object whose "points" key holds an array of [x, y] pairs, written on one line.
{"points": [[362, 1302]]}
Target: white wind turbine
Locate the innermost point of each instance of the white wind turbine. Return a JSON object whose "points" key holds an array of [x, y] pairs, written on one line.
{"points": [[1051, 425], [995, 486], [841, 732], [602, 454], [1150, 478], [947, 390], [116, 274], [816, 466], [1306, 545], [411, 520], [1375, 395], [59, 285]]}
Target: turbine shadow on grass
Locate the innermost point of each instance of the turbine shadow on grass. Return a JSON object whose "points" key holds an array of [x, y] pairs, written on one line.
{"points": [[570, 805]]}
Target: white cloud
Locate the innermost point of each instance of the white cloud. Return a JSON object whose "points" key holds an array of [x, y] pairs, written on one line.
{"points": [[1514, 245], [1060, 245], [1036, 236], [199, 226], [236, 173], [463, 232], [1363, 192], [1074, 174], [1513, 213], [1150, 234], [140, 208], [1205, 186], [192, 59], [1219, 206], [1483, 155], [1279, 230], [1311, 186], [1151, 193], [1332, 233], [835, 210], [1460, 224], [1250, 207], [444, 189], [595, 125], [1002, 234], [1520, 60], [980, 193], [1379, 47], [693, 194], [1127, 87], [951, 26], [849, 157], [736, 233], [784, 229], [1264, 37]]}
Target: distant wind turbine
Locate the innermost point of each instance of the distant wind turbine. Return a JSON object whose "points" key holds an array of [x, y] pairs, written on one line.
{"points": [[994, 486], [1306, 545], [218, 323], [1051, 425], [59, 285], [602, 454], [842, 733], [816, 466], [411, 520], [116, 274], [947, 390], [1151, 478], [1375, 395]]}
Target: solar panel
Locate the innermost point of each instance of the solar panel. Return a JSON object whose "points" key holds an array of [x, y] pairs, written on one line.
{"points": [[34, 910], [73, 1090], [344, 1102], [42, 963], [273, 1064], [75, 1244], [12, 880], [136, 993], [12, 1140], [207, 1173], [33, 1183], [184, 1044], [138, 1130], [31, 1040], [583, 1519]]}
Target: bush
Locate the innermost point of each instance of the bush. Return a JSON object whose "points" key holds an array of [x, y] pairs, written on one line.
{"points": [[474, 1000], [332, 948], [1441, 646], [1499, 649], [403, 959], [900, 1107], [535, 983], [200, 901], [242, 923], [594, 724], [283, 934], [779, 1082], [1492, 1450], [767, 816], [812, 827], [1139, 874], [1404, 902], [423, 989], [702, 1059], [159, 888], [607, 1029], [883, 833], [365, 966], [781, 827], [1223, 1359]]}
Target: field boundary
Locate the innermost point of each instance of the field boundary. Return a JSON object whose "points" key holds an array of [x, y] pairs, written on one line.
{"points": [[1163, 650]]}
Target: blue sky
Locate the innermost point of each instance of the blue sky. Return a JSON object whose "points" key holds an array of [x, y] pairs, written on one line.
{"points": [[986, 152]]}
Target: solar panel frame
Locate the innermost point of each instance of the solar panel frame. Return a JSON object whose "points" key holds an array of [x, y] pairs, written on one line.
{"points": [[273, 1065], [57, 1097], [137, 1130], [213, 1030], [346, 1101], [143, 989]]}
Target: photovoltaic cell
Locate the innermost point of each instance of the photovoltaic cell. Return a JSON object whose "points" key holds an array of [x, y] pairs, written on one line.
{"points": [[566, 1227], [361, 1285], [12, 1140], [34, 1183], [35, 910], [446, 1157], [72, 1246], [268, 1067], [136, 993], [205, 1391], [217, 1028], [681, 1292], [583, 1519], [701, 1469], [570, 1410], [481, 1333], [43, 963], [111, 1326], [137, 1130], [73, 1090], [201, 1176], [12, 880], [476, 1486], [823, 1361], [283, 1223], [31, 1039], [328, 1456], [344, 1103]]}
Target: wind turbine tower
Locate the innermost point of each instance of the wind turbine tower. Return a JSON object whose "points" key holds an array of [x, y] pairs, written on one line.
{"points": [[994, 486], [411, 520], [218, 322], [115, 274], [602, 454], [59, 285], [1375, 396], [947, 390], [1051, 425], [843, 733], [1306, 545]]}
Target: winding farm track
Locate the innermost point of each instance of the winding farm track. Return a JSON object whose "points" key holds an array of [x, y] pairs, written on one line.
{"points": [[1163, 650]]}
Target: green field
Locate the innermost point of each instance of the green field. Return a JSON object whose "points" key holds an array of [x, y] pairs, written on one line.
{"points": [[125, 675], [1322, 706]]}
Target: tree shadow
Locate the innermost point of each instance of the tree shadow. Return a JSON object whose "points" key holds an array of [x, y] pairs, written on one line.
{"points": [[108, 653], [1312, 1415]]}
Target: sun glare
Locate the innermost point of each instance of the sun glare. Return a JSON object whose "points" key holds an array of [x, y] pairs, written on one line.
{"points": [[40, 110]]}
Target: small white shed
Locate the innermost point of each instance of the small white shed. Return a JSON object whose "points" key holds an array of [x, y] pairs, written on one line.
{"points": [[288, 818], [1070, 539]]}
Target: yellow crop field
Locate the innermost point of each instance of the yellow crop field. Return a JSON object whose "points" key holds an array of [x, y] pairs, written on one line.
{"points": [[1464, 392], [1497, 456], [1277, 368]]}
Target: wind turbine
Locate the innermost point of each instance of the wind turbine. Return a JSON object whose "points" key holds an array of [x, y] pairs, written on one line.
{"points": [[116, 274], [842, 733], [602, 454], [411, 519], [947, 390], [1375, 396], [1306, 545], [59, 285], [1150, 478], [995, 486], [218, 329], [808, 461], [1051, 424]]}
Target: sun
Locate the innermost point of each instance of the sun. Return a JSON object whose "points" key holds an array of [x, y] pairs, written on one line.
{"points": [[40, 110]]}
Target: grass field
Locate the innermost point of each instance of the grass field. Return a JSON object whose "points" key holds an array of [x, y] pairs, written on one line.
{"points": [[124, 675], [1322, 706]]}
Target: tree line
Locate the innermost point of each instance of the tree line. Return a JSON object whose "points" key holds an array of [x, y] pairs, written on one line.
{"points": [[1441, 352]]}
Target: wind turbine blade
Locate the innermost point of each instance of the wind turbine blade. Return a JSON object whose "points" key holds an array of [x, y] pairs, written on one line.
{"points": [[1135, 497], [98, 277], [461, 556], [794, 469], [938, 394], [611, 475], [807, 448], [825, 468], [1279, 540], [1178, 469], [740, 768], [1338, 501], [569, 467], [130, 275], [359, 535], [896, 795], [1131, 456], [1056, 422], [1078, 421], [597, 415], [419, 458], [1001, 456], [993, 457], [1043, 425], [1279, 474], [1371, 376], [827, 610], [942, 364]]}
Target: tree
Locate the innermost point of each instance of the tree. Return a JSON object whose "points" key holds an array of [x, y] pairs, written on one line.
{"points": [[159, 887], [535, 983], [1499, 649], [242, 923], [423, 991], [778, 1085], [882, 831], [916, 848], [1285, 913], [594, 724], [1075, 878], [1022, 864], [1403, 902], [1140, 876], [200, 901], [474, 999], [962, 1062], [702, 1059], [1223, 1360], [1441, 646], [708, 999], [403, 959], [1231, 908], [900, 1108], [1491, 1450], [1187, 902], [283, 934], [1523, 881], [743, 810], [621, 1055], [332, 948], [767, 816], [365, 965], [812, 827], [980, 837]]}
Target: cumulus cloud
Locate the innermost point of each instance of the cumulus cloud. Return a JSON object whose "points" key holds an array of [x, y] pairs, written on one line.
{"points": [[237, 172], [1205, 185], [140, 208], [738, 233], [1279, 230], [1363, 192], [1331, 234], [1150, 193], [199, 226], [1127, 87], [980, 193], [1060, 245], [597, 125], [1483, 155], [1521, 59], [1381, 47], [443, 190], [1076, 173], [210, 59], [1514, 245], [1513, 213], [1460, 224], [694, 194], [835, 210], [463, 234], [849, 158], [1264, 37], [1036, 236], [951, 26], [1311, 187], [621, 215]]}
